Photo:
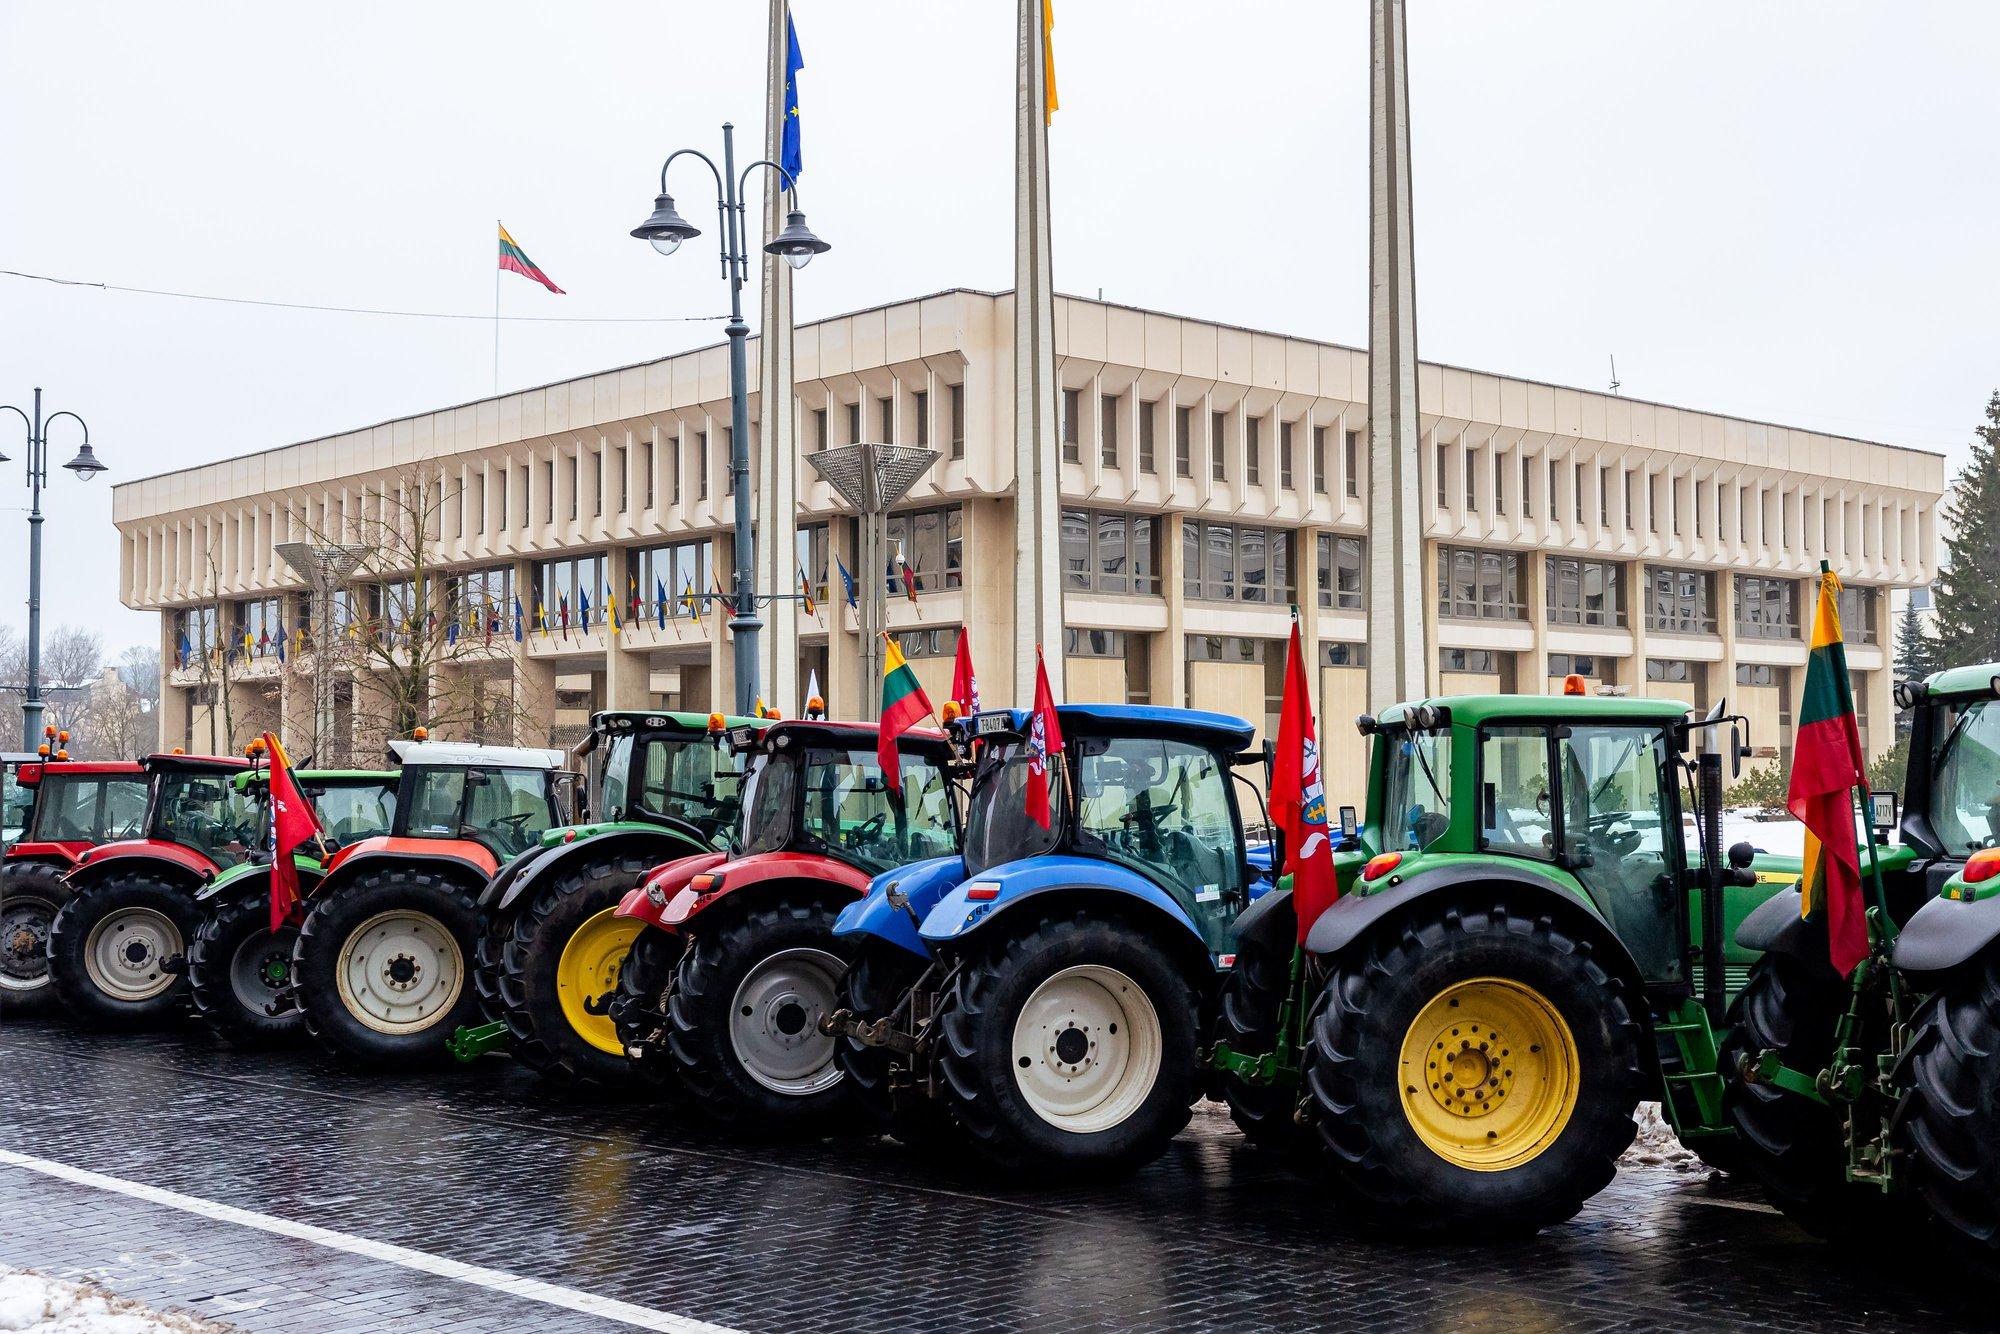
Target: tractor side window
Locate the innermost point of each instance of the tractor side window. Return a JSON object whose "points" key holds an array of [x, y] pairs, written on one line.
{"points": [[435, 799], [509, 809], [350, 814], [1616, 839], [849, 807], [614, 769], [1416, 792], [1515, 814], [1965, 810], [770, 795], [682, 781], [997, 827], [16, 802], [69, 811], [124, 813], [1162, 807], [206, 812]]}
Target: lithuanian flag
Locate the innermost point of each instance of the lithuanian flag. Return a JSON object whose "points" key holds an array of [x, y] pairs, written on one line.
{"points": [[904, 705], [515, 260], [1826, 768]]}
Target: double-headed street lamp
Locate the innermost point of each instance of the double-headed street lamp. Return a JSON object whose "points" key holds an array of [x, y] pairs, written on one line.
{"points": [[796, 244], [85, 466]]}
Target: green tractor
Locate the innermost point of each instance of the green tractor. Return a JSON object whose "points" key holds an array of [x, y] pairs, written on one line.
{"points": [[1516, 959], [662, 787], [1867, 1102]]}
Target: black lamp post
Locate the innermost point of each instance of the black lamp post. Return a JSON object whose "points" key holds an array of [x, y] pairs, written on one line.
{"points": [[666, 229], [85, 466]]}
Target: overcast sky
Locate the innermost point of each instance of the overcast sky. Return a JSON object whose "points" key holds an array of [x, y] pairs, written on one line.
{"points": [[1779, 210]]}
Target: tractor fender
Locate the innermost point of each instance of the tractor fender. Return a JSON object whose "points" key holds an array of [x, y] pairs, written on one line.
{"points": [[170, 861], [257, 878], [1776, 927], [448, 858], [498, 889], [1945, 933], [1270, 923], [63, 855], [647, 901], [746, 874], [873, 914], [534, 867], [1002, 888]]}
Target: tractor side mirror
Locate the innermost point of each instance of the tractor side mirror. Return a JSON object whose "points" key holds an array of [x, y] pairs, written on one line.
{"points": [[1741, 855], [1737, 750]]}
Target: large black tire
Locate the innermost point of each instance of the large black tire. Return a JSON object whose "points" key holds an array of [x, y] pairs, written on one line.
{"points": [[525, 986], [871, 988], [1393, 987], [774, 965], [106, 984], [1071, 1036], [237, 969], [440, 984], [1794, 1147], [31, 894], [1951, 1115], [1247, 1019], [639, 1010]]}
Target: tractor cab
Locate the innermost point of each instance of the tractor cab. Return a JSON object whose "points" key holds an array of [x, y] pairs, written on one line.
{"points": [[197, 817], [663, 770], [64, 808], [350, 805], [496, 802], [17, 800], [817, 788], [1951, 797]]}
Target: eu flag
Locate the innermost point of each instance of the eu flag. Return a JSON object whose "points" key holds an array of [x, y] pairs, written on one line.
{"points": [[788, 149]]}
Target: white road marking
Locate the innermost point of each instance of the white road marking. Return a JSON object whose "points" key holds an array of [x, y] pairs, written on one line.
{"points": [[534, 1290]]}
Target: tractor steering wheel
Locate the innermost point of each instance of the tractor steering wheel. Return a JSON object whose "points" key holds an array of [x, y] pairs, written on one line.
{"points": [[871, 828]]}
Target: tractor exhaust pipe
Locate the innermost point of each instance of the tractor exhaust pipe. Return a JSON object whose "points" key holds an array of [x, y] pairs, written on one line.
{"points": [[1708, 782]]}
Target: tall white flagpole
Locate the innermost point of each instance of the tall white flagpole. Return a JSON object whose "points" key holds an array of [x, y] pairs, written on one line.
{"points": [[777, 460], [1038, 599]]}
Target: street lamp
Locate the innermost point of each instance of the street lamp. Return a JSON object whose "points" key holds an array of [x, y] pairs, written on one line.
{"points": [[85, 466], [665, 229]]}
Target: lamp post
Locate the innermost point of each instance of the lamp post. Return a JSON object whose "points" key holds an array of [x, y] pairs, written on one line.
{"points": [[85, 466], [796, 245]]}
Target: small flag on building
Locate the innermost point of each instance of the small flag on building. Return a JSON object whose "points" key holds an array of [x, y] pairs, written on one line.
{"points": [[806, 594], [789, 155], [847, 584], [515, 260], [660, 600], [517, 620]]}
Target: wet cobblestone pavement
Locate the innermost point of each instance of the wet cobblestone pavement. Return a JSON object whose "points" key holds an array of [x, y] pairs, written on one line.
{"points": [[481, 1167]]}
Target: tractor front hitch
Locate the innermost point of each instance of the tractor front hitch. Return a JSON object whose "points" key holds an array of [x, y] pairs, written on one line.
{"points": [[469, 1044]]}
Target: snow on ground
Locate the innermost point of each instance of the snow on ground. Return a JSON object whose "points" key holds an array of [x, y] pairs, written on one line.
{"points": [[1656, 1145], [32, 1303]]}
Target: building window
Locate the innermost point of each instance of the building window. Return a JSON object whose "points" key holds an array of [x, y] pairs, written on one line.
{"points": [[941, 642], [1443, 462], [1576, 483], [1343, 655], [257, 629], [1072, 442], [549, 515], [1353, 447], [933, 542], [1340, 572], [1319, 460], [479, 602], [701, 465], [566, 583], [195, 633], [1756, 674], [1226, 563], [1527, 484], [1107, 552], [645, 473], [886, 406], [1148, 413], [1253, 450], [819, 440], [1230, 648], [1678, 671], [677, 567], [1480, 660], [1604, 497], [1857, 615], [1586, 592], [726, 438], [1218, 465], [1093, 643], [958, 421], [624, 471], [816, 559], [1472, 481], [674, 465], [1590, 666], [1680, 602], [1499, 487], [1767, 608], [1285, 455], [500, 509], [854, 422], [1480, 585], [1107, 433], [1183, 442]]}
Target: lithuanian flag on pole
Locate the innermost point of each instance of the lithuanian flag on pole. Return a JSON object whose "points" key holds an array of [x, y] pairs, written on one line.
{"points": [[1826, 768], [904, 705], [515, 260]]}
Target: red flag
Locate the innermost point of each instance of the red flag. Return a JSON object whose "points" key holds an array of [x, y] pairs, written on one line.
{"points": [[1298, 796], [965, 681], [1045, 741], [293, 825]]}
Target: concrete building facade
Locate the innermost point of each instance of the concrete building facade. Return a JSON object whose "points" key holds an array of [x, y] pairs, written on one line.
{"points": [[1210, 476]]}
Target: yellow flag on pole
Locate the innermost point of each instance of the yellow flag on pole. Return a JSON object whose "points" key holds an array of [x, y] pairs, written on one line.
{"points": [[1050, 104]]}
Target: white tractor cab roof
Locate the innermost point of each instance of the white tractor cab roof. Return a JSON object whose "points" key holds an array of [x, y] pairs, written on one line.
{"points": [[465, 755]]}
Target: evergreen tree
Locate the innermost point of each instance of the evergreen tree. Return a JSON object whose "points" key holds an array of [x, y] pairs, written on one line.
{"points": [[1916, 657], [1966, 628]]}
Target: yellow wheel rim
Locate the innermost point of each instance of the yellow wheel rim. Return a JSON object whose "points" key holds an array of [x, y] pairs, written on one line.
{"points": [[588, 969], [1490, 1074]]}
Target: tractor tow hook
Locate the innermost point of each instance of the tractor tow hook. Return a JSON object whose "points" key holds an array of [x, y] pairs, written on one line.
{"points": [[174, 965]]}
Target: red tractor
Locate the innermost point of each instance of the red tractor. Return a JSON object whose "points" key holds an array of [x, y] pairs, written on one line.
{"points": [[132, 910], [727, 986], [64, 809]]}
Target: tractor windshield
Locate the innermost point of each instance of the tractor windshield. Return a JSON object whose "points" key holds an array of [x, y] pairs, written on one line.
{"points": [[1163, 808], [206, 812], [505, 809], [997, 826], [1416, 790], [349, 814], [850, 810], [90, 809], [683, 778], [1965, 807]]}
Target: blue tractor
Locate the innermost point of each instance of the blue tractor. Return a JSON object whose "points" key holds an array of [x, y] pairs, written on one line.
{"points": [[1040, 999]]}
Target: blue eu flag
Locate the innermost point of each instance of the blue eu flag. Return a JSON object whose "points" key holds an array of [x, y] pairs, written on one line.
{"points": [[788, 152]]}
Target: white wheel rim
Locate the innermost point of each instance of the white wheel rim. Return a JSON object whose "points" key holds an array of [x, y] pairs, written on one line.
{"points": [[261, 968], [1087, 1049], [124, 952], [400, 971], [774, 1021], [24, 945]]}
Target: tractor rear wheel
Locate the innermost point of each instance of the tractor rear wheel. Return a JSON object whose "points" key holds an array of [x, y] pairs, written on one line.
{"points": [[1952, 1112], [238, 968], [109, 947], [31, 894], [552, 969], [1072, 1045], [381, 967], [743, 1017], [873, 986], [639, 1009], [1247, 1020], [1472, 1070], [1795, 1147]]}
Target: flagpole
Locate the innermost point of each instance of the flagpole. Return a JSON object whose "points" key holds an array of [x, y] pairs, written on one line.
{"points": [[496, 317]]}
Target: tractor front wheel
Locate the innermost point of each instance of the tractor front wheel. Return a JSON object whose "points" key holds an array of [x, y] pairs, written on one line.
{"points": [[744, 1013], [109, 947], [1473, 1071], [239, 970], [1072, 1045], [381, 968], [1952, 1112], [1247, 1019], [31, 894]]}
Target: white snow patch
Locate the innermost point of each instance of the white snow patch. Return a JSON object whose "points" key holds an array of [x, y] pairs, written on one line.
{"points": [[32, 1303], [1657, 1146]]}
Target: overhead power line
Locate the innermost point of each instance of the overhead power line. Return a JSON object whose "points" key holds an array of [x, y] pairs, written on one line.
{"points": [[485, 317]]}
